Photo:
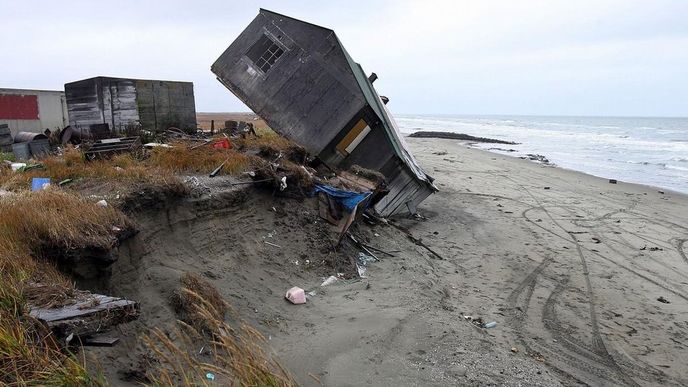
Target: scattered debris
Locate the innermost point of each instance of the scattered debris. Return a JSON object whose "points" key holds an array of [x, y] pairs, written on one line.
{"points": [[340, 207], [99, 341], [548, 187], [17, 166], [362, 262], [218, 169], [210, 376], [221, 144], [296, 295], [663, 300], [612, 181], [514, 349], [661, 192], [40, 183], [86, 315], [29, 167], [102, 203], [110, 146], [596, 240], [329, 281], [273, 244], [537, 158], [152, 145], [489, 325]]}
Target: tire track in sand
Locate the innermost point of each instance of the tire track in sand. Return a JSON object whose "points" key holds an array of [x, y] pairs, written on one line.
{"points": [[598, 345]]}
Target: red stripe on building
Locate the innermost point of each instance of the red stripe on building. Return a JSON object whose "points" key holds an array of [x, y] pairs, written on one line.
{"points": [[18, 107]]}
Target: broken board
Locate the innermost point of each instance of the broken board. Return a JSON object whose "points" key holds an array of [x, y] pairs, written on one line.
{"points": [[90, 315]]}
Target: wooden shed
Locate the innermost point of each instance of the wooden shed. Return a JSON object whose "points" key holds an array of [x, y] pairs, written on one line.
{"points": [[300, 79], [123, 103]]}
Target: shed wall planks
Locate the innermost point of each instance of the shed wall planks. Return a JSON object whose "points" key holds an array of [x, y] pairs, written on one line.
{"points": [[124, 103]]}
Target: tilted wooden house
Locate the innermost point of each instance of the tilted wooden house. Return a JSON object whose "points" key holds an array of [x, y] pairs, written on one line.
{"points": [[122, 103], [299, 78]]}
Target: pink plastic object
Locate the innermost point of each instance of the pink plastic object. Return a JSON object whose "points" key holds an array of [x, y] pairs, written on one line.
{"points": [[296, 295]]}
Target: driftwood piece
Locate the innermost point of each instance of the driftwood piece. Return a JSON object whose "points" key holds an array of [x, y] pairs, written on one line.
{"points": [[90, 315]]}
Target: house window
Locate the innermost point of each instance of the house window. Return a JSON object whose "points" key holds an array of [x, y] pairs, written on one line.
{"points": [[264, 53]]}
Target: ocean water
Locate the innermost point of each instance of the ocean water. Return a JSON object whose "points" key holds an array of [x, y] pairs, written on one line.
{"points": [[652, 151]]}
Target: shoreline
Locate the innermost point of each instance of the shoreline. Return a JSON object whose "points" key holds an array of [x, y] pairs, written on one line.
{"points": [[513, 153]]}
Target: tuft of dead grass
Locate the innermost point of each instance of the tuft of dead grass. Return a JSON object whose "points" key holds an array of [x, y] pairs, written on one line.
{"points": [[237, 356], [267, 139], [195, 293], [123, 169], [30, 225], [183, 159]]}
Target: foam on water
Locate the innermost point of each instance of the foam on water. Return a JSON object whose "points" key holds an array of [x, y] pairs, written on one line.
{"points": [[651, 151]]}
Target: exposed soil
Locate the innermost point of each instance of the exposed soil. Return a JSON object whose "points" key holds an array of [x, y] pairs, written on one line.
{"points": [[400, 325], [584, 280]]}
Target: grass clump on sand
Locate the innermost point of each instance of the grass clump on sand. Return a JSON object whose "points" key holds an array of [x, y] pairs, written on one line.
{"points": [[123, 169], [32, 224], [234, 357], [183, 159]]}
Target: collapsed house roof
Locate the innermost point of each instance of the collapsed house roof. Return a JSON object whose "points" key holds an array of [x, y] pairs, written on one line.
{"points": [[299, 78]]}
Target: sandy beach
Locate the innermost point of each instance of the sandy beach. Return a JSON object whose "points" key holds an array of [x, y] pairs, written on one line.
{"points": [[584, 279]]}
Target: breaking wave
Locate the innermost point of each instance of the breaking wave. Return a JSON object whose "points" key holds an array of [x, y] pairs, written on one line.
{"points": [[641, 150]]}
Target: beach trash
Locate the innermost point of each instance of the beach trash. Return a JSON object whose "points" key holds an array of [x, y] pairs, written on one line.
{"points": [[39, 183], [489, 325], [21, 150], [222, 144], [612, 181], [102, 203], [296, 295], [210, 376], [329, 281], [17, 166]]}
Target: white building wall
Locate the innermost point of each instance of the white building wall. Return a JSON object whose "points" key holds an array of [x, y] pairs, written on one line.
{"points": [[52, 111]]}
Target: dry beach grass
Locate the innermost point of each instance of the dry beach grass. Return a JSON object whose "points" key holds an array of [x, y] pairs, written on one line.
{"points": [[36, 228]]}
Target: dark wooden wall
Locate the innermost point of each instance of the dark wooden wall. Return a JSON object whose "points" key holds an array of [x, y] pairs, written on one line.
{"points": [[309, 95], [121, 103]]}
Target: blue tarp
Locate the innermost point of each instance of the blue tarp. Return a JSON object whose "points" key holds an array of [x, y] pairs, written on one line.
{"points": [[348, 199]]}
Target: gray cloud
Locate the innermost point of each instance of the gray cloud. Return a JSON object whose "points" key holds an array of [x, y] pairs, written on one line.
{"points": [[607, 57]]}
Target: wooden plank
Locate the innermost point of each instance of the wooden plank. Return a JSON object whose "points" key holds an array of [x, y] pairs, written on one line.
{"points": [[90, 314], [99, 341], [81, 309]]}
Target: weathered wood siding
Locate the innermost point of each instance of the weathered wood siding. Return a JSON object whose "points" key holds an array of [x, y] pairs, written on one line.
{"points": [[83, 104], [308, 95], [123, 103]]}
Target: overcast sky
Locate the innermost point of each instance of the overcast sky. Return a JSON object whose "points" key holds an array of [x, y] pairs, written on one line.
{"points": [[600, 57]]}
